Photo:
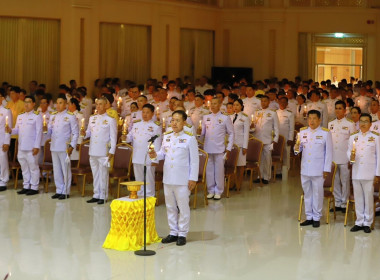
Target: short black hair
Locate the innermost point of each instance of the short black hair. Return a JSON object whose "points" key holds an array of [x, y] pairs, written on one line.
{"points": [[2, 92], [31, 98], [314, 112], [62, 96], [143, 96], [200, 96], [175, 98], [233, 96], [16, 89], [340, 102], [149, 106], [302, 96], [182, 113], [109, 97], [75, 102], [366, 115], [358, 109], [264, 96]]}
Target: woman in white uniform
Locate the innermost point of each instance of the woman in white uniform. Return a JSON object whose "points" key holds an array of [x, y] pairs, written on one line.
{"points": [[241, 123], [74, 107], [355, 116]]}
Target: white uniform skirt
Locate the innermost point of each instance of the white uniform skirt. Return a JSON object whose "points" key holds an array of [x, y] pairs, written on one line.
{"points": [[242, 159]]}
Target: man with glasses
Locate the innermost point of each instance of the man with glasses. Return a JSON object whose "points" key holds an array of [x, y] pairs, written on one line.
{"points": [[29, 129], [315, 143], [364, 154]]}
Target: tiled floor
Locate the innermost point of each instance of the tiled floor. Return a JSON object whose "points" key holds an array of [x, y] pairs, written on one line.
{"points": [[251, 235]]}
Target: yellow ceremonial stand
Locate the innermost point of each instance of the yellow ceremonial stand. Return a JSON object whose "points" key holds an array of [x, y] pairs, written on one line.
{"points": [[127, 224]]}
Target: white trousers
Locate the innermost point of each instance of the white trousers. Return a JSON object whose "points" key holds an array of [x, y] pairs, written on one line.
{"points": [[30, 169], [342, 185], [179, 221], [62, 172], [266, 163], [215, 173], [4, 168], [100, 173], [363, 193], [313, 196], [150, 179], [285, 159]]}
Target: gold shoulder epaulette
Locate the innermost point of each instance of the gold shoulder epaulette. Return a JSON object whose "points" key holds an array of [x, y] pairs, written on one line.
{"points": [[157, 123], [6, 107], [244, 114], [303, 128], [188, 125], [350, 120], [189, 133], [37, 112], [53, 113], [224, 113], [325, 129], [374, 132], [353, 133], [289, 111], [168, 132], [70, 113], [21, 113], [136, 121]]}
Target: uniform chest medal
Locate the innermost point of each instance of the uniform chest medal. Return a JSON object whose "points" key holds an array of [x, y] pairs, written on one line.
{"points": [[375, 127], [220, 121], [105, 122], [208, 119], [66, 119], [345, 127], [331, 127], [371, 139], [319, 137], [356, 139], [182, 141], [269, 115], [150, 129]]}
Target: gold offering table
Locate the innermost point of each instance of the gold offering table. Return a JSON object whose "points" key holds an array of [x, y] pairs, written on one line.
{"points": [[127, 224]]}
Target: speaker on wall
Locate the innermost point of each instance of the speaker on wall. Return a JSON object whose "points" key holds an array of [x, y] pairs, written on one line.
{"points": [[231, 74]]}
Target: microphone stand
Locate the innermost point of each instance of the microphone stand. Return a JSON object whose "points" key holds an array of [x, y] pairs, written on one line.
{"points": [[145, 252]]}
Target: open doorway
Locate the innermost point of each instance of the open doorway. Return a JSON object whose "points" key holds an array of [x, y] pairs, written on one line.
{"points": [[337, 63]]}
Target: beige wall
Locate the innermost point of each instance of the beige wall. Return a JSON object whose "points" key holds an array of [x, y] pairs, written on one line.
{"points": [[262, 38]]}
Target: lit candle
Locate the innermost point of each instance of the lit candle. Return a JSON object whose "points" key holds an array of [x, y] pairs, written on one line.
{"points": [[252, 118], [353, 146], [44, 120], [119, 102], [82, 124], [298, 138], [358, 102], [208, 103], [200, 123], [6, 121], [187, 112], [163, 122], [125, 127], [304, 107]]}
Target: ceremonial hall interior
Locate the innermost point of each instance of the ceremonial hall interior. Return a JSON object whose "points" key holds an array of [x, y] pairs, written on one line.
{"points": [[251, 233]]}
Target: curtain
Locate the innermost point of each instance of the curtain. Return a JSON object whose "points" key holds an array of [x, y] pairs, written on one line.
{"points": [[125, 51], [304, 56], [30, 50], [197, 52]]}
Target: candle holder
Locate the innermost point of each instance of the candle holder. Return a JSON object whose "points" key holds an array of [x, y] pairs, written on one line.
{"points": [[352, 157], [124, 133], [298, 142]]}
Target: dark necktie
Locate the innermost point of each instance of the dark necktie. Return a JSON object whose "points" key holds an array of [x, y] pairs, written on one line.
{"points": [[236, 115], [299, 108]]}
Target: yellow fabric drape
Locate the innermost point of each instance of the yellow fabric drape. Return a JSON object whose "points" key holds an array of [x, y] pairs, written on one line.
{"points": [[125, 51], [197, 52], [30, 50], [127, 225]]}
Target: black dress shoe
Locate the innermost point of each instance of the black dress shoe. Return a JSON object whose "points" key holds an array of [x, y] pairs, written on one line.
{"points": [[101, 201], [356, 228], [265, 182], [306, 223], [181, 241], [279, 176], [316, 224], [63, 196], [3, 189], [367, 229], [257, 181], [23, 191], [92, 200], [57, 195], [169, 239], [32, 192], [336, 209]]}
